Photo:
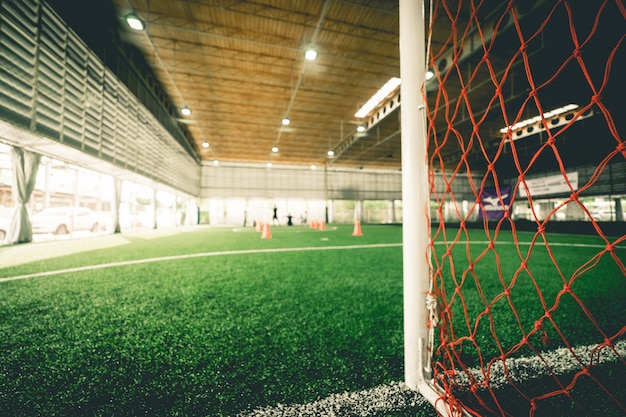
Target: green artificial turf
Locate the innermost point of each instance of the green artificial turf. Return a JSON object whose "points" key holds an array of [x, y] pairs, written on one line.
{"points": [[202, 336], [513, 299], [220, 335]]}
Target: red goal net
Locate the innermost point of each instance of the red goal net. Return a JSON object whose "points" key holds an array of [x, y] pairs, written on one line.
{"points": [[527, 166]]}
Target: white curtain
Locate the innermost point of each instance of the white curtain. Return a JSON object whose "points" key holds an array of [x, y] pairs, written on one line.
{"points": [[25, 166], [118, 200]]}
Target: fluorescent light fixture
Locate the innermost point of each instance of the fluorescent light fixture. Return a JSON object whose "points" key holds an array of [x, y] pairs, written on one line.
{"points": [[378, 97], [205, 145], [185, 111], [269, 165], [360, 129], [313, 166], [310, 54], [134, 22], [275, 149], [330, 153], [216, 162], [285, 121], [547, 115]]}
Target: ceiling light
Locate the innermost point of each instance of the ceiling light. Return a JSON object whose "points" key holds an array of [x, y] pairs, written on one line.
{"points": [[330, 153], [134, 22], [310, 54], [269, 165], [285, 121], [205, 145], [429, 74], [216, 162], [185, 111], [360, 129], [275, 149], [546, 115], [378, 97], [313, 166]]}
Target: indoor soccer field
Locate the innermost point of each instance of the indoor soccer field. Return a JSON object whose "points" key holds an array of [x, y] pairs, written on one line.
{"points": [[219, 322]]}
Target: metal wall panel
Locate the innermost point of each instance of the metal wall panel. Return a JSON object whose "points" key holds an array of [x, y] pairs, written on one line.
{"points": [[250, 181], [53, 86]]}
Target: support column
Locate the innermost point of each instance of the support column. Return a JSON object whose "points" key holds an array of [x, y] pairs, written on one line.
{"points": [[619, 214], [117, 199], [358, 210], [326, 193], [46, 193], [154, 208]]}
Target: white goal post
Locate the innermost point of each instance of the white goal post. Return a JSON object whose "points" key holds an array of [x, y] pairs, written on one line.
{"points": [[415, 200]]}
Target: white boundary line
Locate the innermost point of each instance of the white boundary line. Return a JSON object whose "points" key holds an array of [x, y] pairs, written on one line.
{"points": [[275, 250], [539, 243], [375, 401], [397, 396], [560, 361], [190, 256]]}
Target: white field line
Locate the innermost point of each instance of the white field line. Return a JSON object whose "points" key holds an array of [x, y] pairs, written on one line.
{"points": [[250, 251], [190, 256], [396, 396], [376, 401], [537, 244], [560, 361]]}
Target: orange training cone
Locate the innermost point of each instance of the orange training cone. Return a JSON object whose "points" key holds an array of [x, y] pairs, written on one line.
{"points": [[322, 225], [259, 226], [266, 232], [357, 229]]}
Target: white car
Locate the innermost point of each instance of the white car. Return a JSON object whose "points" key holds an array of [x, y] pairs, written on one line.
{"points": [[4, 229], [63, 220], [5, 221]]}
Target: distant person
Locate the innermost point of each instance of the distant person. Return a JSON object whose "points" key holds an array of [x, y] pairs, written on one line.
{"points": [[289, 222], [245, 217], [275, 217]]}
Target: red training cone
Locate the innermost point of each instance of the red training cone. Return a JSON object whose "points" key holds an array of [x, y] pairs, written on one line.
{"points": [[266, 232], [357, 229]]}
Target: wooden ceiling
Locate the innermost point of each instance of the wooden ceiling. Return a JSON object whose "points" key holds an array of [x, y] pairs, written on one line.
{"points": [[239, 66]]}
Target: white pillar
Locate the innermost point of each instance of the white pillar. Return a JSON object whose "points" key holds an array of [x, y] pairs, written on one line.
{"points": [[326, 215], [619, 214], [415, 227], [155, 208]]}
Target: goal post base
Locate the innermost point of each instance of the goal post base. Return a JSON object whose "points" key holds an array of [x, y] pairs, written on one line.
{"points": [[438, 400], [426, 386]]}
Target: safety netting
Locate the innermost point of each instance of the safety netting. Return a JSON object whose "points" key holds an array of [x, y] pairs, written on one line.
{"points": [[527, 166]]}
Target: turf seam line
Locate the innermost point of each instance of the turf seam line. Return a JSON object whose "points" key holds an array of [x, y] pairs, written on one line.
{"points": [[191, 256]]}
